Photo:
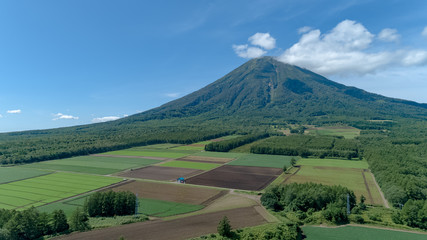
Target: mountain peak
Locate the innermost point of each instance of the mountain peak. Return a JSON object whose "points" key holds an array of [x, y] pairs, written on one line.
{"points": [[266, 87]]}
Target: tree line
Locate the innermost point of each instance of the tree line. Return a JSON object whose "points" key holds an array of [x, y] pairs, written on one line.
{"points": [[109, 204], [305, 146]]}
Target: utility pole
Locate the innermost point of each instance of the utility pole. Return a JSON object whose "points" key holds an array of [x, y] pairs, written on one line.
{"points": [[348, 204], [136, 204]]}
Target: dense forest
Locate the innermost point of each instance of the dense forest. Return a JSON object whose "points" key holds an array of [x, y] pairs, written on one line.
{"points": [[305, 145]]}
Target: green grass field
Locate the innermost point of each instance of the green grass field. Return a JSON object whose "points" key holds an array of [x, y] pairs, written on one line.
{"points": [[41, 190], [92, 164], [161, 146], [262, 160], [68, 206], [219, 154], [357, 233], [162, 154], [348, 177], [10, 174], [159, 208], [332, 163], [192, 165], [346, 132], [194, 149]]}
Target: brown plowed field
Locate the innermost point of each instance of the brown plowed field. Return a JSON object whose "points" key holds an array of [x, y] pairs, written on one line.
{"points": [[161, 173], [177, 229], [172, 192], [237, 177], [205, 159]]}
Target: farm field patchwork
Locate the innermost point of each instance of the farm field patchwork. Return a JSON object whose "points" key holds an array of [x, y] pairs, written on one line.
{"points": [[356, 233], [262, 160], [333, 163], [191, 165], [93, 164], [237, 177], [180, 193], [177, 229], [160, 173], [148, 153], [10, 174], [351, 178], [41, 190]]}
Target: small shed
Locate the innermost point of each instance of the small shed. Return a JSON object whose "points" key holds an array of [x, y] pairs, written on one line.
{"points": [[180, 180]]}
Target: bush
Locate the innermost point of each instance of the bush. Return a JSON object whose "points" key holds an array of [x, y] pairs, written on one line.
{"points": [[358, 219], [224, 227], [335, 213]]}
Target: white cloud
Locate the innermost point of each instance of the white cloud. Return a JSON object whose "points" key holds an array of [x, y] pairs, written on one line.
{"points": [[172, 95], [388, 35], [1, 116], [304, 29], [263, 40], [424, 32], [104, 119], [245, 51], [17, 111], [59, 116], [345, 50]]}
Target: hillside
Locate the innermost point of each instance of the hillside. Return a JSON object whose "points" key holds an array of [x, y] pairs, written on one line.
{"points": [[254, 96], [265, 87]]}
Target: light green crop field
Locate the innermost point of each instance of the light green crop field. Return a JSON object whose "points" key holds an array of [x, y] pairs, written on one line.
{"points": [[351, 178], [219, 154], [194, 149], [10, 174], [156, 146], [159, 208], [192, 165], [357, 233], [92, 164], [68, 206], [41, 190], [262, 160], [162, 154], [332, 163], [346, 132]]}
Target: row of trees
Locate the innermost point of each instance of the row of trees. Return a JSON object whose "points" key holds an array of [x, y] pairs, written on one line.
{"points": [[108, 204], [32, 224], [305, 146], [227, 145]]}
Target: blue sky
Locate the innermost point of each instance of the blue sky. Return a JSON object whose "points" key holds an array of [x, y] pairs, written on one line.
{"points": [[66, 63]]}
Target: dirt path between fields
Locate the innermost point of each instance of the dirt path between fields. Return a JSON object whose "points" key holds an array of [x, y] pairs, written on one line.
{"points": [[367, 186], [380, 191], [368, 226], [293, 174]]}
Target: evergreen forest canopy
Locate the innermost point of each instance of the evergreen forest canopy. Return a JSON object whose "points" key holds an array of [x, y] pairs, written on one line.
{"points": [[250, 100]]}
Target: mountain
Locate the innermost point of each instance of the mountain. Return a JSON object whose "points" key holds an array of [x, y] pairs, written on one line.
{"points": [[260, 93], [265, 87]]}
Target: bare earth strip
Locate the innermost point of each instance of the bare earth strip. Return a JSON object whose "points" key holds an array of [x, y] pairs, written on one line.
{"points": [[160, 173], [123, 156], [172, 192], [177, 229], [367, 186]]}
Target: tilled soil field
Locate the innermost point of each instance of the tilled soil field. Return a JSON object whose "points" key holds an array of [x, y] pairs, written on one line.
{"points": [[237, 177], [172, 192], [160, 173], [177, 229]]}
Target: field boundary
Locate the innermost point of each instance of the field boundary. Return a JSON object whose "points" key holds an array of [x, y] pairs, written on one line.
{"points": [[293, 174], [386, 204], [367, 186], [28, 178], [124, 156]]}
